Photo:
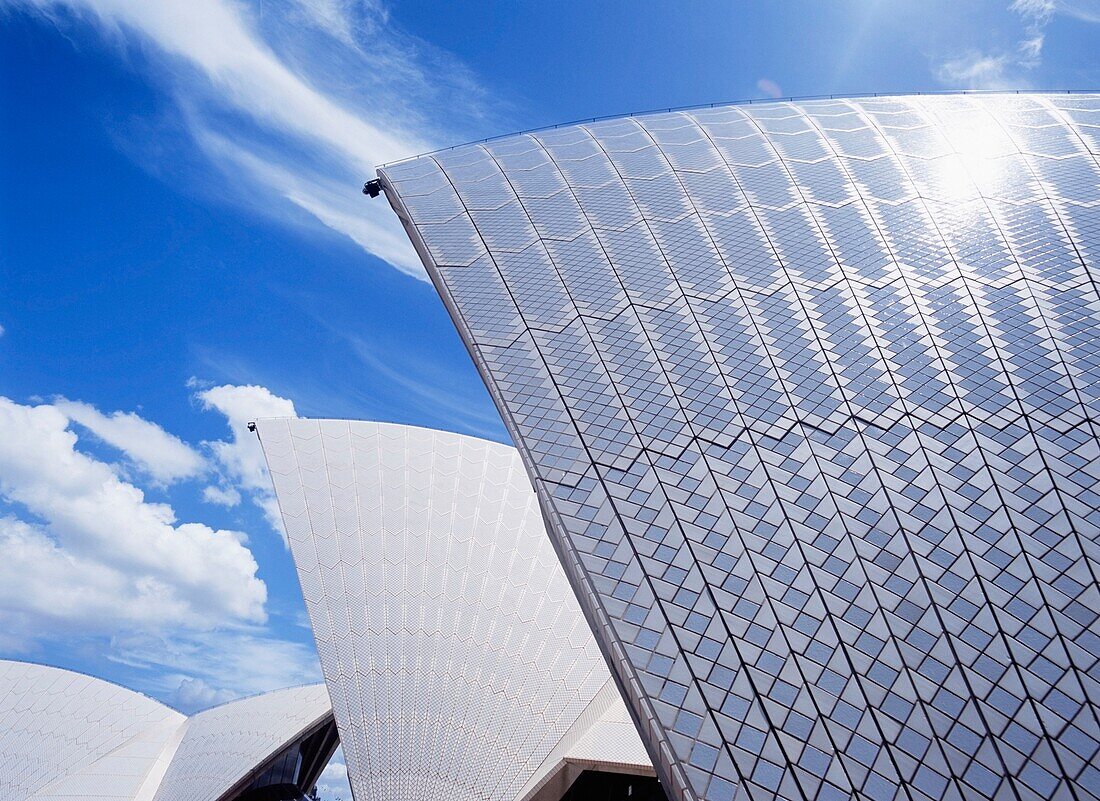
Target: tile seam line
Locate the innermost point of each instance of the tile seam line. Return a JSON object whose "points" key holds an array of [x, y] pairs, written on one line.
{"points": [[1026, 286], [860, 433], [615, 389], [841, 643], [940, 357], [776, 729], [854, 418], [1013, 778], [957, 780], [1024, 421]]}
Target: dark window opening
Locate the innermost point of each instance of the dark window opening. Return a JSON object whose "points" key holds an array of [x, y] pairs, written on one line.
{"points": [[598, 785]]}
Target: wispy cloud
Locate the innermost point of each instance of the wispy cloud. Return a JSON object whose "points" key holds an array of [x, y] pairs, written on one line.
{"points": [[334, 201], [1010, 68], [1084, 10], [436, 397], [976, 70], [300, 99], [162, 456], [198, 669], [1036, 14]]}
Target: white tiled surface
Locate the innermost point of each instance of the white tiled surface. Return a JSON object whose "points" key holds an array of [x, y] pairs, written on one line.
{"points": [[131, 772], [65, 736], [224, 744], [455, 652], [810, 392], [612, 740], [55, 723]]}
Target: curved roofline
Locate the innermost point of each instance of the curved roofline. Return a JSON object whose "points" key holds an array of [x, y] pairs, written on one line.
{"points": [[433, 510], [160, 730], [744, 102], [157, 700], [509, 445], [255, 695], [303, 734], [257, 767], [93, 678]]}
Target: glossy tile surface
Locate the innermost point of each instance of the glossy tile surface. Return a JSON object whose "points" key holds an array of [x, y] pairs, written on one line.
{"points": [[809, 392]]}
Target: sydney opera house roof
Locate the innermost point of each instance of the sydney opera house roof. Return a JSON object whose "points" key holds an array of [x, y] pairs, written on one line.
{"points": [[810, 395], [64, 735], [458, 660], [805, 506]]}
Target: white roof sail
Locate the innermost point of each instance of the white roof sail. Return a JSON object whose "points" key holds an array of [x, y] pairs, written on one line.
{"points": [[224, 745], [458, 660], [65, 736], [809, 392], [55, 723]]}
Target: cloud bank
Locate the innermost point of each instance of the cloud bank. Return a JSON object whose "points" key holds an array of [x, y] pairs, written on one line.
{"points": [[89, 558], [84, 550], [196, 671]]}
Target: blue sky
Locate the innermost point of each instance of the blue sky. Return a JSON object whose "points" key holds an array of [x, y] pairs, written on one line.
{"points": [[183, 247]]}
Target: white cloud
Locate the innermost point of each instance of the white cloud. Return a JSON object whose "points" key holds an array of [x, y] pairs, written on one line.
{"points": [[975, 70], [163, 456], [87, 561], [1031, 49], [1084, 10], [312, 94], [1036, 15], [1009, 68], [94, 556], [333, 783], [337, 205], [221, 496], [241, 457], [216, 665], [1033, 8], [334, 17], [194, 695], [435, 393]]}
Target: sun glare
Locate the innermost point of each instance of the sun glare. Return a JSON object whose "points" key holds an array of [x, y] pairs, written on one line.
{"points": [[977, 163]]}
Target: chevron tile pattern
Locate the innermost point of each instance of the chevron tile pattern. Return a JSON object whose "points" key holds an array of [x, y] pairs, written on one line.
{"points": [[810, 393]]}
